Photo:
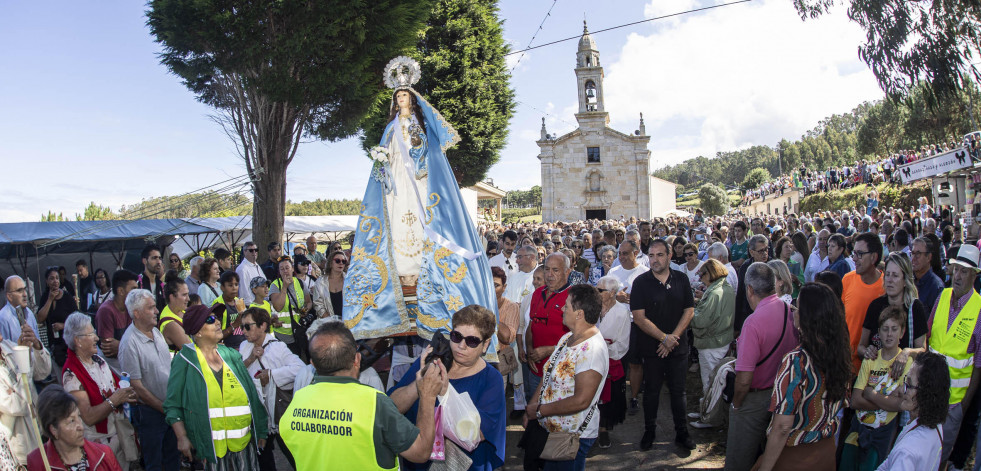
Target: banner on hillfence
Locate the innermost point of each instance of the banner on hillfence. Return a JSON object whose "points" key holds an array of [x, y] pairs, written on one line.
{"points": [[936, 165]]}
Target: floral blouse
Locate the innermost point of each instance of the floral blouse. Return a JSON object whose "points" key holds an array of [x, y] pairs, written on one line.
{"points": [[591, 354]]}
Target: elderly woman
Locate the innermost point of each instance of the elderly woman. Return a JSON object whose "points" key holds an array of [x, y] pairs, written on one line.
{"points": [[208, 273], [223, 439], [571, 386], [785, 281], [328, 298], [67, 448], [87, 377], [607, 254], [473, 327], [810, 387], [925, 394], [614, 324], [712, 324], [900, 287], [692, 263], [15, 405], [273, 366], [53, 308]]}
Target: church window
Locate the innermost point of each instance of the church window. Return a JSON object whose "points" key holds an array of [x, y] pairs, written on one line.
{"points": [[593, 155]]}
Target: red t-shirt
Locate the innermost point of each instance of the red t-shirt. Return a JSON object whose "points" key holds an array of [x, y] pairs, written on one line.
{"points": [[546, 320], [110, 323]]}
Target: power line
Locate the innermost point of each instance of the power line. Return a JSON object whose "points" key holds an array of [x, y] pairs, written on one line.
{"points": [[630, 24], [547, 14]]}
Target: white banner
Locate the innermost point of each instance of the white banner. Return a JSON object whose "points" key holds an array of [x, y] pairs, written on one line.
{"points": [[936, 165]]}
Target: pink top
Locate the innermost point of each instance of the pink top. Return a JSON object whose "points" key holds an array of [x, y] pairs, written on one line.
{"points": [[760, 332], [109, 321]]}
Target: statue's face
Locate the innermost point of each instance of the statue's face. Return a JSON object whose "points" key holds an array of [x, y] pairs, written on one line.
{"points": [[403, 99]]}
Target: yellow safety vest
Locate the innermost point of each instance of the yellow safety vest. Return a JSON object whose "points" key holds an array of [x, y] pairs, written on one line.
{"points": [[284, 316], [228, 408], [166, 317], [953, 343], [331, 425]]}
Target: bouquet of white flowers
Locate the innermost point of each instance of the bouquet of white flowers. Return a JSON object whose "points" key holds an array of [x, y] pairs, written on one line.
{"points": [[379, 154]]}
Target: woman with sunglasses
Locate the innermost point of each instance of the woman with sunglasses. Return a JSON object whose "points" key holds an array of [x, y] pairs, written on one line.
{"points": [[177, 265], [926, 392], [206, 376], [273, 368], [328, 296], [473, 327], [692, 263]]}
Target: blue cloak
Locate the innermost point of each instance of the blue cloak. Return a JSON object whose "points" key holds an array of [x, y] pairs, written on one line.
{"points": [[454, 272]]}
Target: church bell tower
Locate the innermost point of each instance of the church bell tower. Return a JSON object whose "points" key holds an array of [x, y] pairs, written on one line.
{"points": [[589, 74]]}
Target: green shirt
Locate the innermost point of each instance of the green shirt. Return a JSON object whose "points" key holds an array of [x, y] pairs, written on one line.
{"points": [[739, 251]]}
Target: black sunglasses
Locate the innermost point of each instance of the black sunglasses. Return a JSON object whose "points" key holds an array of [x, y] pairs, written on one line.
{"points": [[472, 341], [248, 326], [340, 260], [689, 254], [211, 320], [252, 250]]}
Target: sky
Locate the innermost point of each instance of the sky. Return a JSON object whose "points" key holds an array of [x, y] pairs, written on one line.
{"points": [[89, 113]]}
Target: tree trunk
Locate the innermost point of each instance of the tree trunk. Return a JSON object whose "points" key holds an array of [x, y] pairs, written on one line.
{"points": [[269, 205]]}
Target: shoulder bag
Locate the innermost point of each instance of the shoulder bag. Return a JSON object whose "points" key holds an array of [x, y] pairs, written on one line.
{"points": [[730, 390], [562, 446], [283, 396]]}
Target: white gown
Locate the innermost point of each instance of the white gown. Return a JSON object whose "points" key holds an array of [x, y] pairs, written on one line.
{"points": [[405, 222]]}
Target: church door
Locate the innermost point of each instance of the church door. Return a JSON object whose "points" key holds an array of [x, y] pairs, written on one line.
{"points": [[596, 214]]}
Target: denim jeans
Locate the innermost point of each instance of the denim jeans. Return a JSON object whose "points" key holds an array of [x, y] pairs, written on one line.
{"points": [[159, 444], [531, 383], [578, 464]]}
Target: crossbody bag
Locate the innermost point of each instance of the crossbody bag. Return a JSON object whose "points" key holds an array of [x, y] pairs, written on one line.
{"points": [[730, 390], [561, 446]]}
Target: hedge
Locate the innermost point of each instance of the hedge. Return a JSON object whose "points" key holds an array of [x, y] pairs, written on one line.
{"points": [[898, 196]]}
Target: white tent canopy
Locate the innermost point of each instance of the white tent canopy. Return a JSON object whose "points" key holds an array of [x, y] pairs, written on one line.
{"points": [[236, 230]]}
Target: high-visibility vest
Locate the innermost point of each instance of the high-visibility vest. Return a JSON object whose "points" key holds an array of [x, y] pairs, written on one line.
{"points": [[166, 317], [284, 315], [331, 426], [228, 408], [952, 343]]}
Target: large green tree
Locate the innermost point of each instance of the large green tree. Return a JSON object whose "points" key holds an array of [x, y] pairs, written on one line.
{"points": [[713, 199], [465, 77], [277, 71], [755, 178], [908, 42]]}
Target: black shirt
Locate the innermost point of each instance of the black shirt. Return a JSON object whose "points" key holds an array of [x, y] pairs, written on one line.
{"points": [[271, 270], [664, 305], [58, 313], [872, 321]]}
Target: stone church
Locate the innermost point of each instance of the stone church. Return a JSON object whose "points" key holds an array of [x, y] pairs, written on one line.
{"points": [[596, 172]]}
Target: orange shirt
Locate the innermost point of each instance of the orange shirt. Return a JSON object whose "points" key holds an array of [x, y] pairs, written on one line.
{"points": [[856, 296]]}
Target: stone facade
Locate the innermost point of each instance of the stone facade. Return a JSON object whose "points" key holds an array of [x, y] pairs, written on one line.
{"points": [[775, 204], [596, 172]]}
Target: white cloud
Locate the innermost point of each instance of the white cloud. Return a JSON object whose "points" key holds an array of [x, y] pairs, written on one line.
{"points": [[735, 76]]}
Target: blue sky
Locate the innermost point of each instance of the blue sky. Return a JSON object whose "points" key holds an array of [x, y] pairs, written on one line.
{"points": [[89, 114]]}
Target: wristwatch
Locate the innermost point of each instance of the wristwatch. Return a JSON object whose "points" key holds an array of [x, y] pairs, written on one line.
{"points": [[538, 413]]}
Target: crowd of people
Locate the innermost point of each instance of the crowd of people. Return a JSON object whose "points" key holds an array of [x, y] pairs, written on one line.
{"points": [[813, 338], [861, 172]]}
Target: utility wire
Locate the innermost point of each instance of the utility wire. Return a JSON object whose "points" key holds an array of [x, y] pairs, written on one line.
{"points": [[533, 36], [630, 24]]}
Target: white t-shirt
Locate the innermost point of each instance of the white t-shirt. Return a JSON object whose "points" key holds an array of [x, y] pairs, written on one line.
{"points": [[519, 285], [692, 274], [626, 277], [615, 326], [591, 354], [509, 265]]}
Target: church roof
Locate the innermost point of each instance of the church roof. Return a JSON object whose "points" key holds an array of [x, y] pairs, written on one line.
{"points": [[586, 42]]}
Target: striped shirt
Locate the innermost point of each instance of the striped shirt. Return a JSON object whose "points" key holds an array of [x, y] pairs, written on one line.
{"points": [[799, 390], [975, 344]]}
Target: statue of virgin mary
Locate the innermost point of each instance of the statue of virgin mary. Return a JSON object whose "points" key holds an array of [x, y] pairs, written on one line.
{"points": [[417, 257]]}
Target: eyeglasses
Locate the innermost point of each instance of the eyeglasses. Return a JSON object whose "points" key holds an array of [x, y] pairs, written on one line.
{"points": [[175, 260], [472, 341], [859, 253], [602, 290], [577, 246], [907, 386], [252, 250], [248, 326], [919, 253], [211, 320], [689, 254], [341, 261]]}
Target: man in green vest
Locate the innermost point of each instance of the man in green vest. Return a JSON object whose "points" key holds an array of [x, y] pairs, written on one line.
{"points": [[339, 423], [953, 333]]}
